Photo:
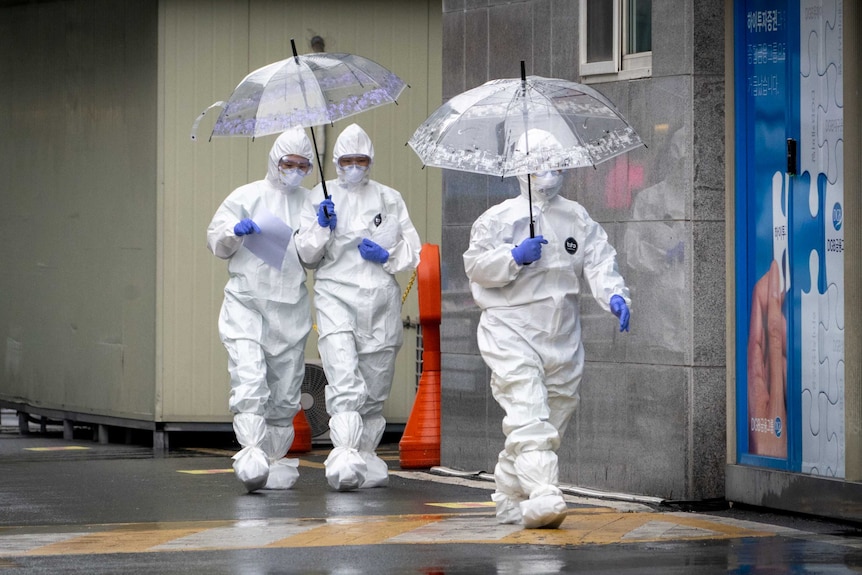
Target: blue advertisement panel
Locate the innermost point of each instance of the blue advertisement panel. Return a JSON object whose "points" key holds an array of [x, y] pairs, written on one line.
{"points": [[789, 239], [766, 104]]}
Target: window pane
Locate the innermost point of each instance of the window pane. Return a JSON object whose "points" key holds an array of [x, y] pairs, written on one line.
{"points": [[640, 26], [600, 30]]}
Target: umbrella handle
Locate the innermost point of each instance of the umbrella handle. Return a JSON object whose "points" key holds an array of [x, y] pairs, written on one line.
{"points": [[313, 139], [320, 169], [530, 201], [529, 187]]}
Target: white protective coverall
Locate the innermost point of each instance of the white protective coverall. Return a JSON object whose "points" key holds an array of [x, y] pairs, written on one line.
{"points": [[264, 323], [358, 305], [529, 335]]}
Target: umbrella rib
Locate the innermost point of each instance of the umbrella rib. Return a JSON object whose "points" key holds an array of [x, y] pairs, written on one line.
{"points": [[509, 108]]}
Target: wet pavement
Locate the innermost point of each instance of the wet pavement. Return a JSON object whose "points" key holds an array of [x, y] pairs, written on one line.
{"points": [[79, 506]]}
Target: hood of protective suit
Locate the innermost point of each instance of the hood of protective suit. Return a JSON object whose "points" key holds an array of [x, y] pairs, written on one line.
{"points": [[353, 141], [537, 140], [291, 142]]}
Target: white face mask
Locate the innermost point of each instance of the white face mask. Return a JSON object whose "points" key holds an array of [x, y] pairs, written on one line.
{"points": [[545, 194], [290, 178], [546, 185], [353, 174], [546, 180]]}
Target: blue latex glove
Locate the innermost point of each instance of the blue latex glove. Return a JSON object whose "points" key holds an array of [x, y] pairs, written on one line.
{"points": [[373, 252], [245, 227], [529, 250], [621, 310], [326, 214]]}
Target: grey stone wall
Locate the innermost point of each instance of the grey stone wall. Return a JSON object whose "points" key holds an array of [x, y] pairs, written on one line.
{"points": [[652, 415]]}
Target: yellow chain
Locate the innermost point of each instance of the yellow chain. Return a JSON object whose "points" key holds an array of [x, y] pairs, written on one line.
{"points": [[409, 286]]}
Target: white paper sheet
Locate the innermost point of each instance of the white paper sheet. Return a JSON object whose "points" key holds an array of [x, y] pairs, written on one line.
{"points": [[272, 241]]}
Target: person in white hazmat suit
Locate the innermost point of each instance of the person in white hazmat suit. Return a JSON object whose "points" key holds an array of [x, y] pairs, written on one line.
{"points": [[359, 238], [265, 318], [529, 332]]}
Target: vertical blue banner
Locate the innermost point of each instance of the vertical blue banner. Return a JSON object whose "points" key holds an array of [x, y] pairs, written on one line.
{"points": [[790, 236], [764, 188]]}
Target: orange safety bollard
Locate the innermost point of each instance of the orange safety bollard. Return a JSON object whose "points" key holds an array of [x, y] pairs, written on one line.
{"points": [[420, 444], [302, 431]]}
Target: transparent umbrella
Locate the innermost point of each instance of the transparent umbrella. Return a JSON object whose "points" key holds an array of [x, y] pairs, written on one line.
{"points": [[304, 91], [477, 130]]}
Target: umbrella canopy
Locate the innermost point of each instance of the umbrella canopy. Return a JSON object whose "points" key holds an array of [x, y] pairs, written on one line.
{"points": [[478, 130], [304, 91]]}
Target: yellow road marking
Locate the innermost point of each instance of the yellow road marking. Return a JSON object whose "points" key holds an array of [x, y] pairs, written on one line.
{"points": [[302, 463], [211, 451], [137, 541], [605, 528], [596, 526], [463, 504], [227, 453], [66, 448], [354, 531]]}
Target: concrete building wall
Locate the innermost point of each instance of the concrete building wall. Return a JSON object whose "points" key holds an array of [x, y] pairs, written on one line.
{"points": [[652, 414]]}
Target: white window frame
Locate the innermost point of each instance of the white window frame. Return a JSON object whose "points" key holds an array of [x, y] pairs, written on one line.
{"points": [[622, 66]]}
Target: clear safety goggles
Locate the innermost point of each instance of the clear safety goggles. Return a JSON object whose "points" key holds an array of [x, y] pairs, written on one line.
{"points": [[546, 173], [358, 160], [286, 163]]}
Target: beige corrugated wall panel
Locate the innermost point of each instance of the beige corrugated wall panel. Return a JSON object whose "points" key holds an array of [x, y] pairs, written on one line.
{"points": [[78, 206], [209, 48], [205, 47]]}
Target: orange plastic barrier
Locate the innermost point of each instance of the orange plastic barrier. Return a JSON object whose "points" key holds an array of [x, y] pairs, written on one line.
{"points": [[302, 437], [420, 443]]}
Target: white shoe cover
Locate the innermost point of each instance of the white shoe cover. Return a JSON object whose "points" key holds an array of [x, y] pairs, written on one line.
{"points": [[345, 468], [508, 509], [545, 511], [250, 464], [378, 472], [277, 441], [538, 474], [251, 467], [282, 474], [508, 494]]}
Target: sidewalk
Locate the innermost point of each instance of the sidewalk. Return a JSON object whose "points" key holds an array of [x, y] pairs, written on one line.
{"points": [[82, 506]]}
